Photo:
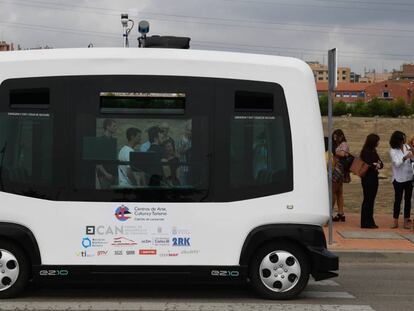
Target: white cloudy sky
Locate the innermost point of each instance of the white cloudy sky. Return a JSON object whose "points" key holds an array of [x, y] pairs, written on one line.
{"points": [[372, 34]]}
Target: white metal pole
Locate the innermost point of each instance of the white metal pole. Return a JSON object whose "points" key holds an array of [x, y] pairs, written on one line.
{"points": [[124, 22], [332, 77], [125, 37]]}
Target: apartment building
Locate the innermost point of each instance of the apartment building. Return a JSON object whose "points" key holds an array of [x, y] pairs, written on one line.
{"points": [[390, 90], [345, 92], [405, 73], [320, 72], [375, 77], [4, 46]]}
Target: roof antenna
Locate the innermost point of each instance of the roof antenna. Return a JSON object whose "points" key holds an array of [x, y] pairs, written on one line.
{"points": [[143, 28], [125, 21]]}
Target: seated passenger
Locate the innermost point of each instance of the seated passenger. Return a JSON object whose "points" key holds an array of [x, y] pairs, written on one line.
{"points": [[126, 175]]}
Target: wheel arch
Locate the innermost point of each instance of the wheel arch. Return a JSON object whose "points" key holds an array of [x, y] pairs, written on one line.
{"points": [[24, 238], [306, 236]]}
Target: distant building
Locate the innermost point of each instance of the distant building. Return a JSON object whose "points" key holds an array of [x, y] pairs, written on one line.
{"points": [[387, 90], [354, 77], [390, 90], [405, 73], [345, 92], [4, 46], [320, 72], [375, 77]]}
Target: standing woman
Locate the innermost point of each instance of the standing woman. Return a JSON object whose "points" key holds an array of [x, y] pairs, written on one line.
{"points": [[402, 176], [370, 181], [339, 175]]}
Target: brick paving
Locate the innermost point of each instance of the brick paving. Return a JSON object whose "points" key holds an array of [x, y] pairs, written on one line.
{"points": [[387, 239]]}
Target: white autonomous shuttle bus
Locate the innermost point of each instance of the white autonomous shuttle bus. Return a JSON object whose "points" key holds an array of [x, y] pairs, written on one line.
{"points": [[152, 165]]}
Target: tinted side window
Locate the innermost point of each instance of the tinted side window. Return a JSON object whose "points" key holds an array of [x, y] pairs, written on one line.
{"points": [[258, 154], [26, 144], [139, 153], [254, 153], [141, 139]]}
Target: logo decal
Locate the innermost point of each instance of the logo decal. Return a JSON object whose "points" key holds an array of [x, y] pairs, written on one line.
{"points": [[84, 254], [90, 230], [54, 272], [169, 254], [180, 241], [122, 213], [86, 242], [122, 241], [102, 253], [161, 241], [225, 273], [148, 252]]}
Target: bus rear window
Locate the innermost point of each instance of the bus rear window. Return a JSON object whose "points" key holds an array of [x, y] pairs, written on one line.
{"points": [[142, 103]]}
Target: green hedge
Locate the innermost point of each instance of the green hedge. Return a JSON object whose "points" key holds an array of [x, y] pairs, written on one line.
{"points": [[375, 107]]}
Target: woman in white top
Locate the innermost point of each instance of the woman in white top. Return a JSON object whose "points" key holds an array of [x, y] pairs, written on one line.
{"points": [[402, 176]]}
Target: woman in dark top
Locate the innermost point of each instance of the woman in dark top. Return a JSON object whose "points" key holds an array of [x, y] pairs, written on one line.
{"points": [[370, 181]]}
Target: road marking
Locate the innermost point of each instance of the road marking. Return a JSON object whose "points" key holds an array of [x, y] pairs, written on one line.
{"points": [[322, 283], [316, 294], [154, 306]]}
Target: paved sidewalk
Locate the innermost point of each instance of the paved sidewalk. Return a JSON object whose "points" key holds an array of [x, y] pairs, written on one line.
{"points": [[348, 236]]}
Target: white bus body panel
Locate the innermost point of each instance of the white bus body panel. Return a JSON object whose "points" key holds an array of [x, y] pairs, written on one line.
{"points": [[216, 231]]}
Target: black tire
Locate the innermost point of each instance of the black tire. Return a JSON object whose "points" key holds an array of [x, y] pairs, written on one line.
{"points": [[255, 273], [24, 269]]}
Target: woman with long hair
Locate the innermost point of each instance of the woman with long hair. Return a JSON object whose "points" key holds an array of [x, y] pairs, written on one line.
{"points": [[339, 174], [402, 176], [370, 180]]}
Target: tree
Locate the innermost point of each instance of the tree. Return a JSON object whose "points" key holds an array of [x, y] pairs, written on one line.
{"points": [[360, 109], [399, 108], [412, 106], [339, 109], [323, 104], [378, 107]]}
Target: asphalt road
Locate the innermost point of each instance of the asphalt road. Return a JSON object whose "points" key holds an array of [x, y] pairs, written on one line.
{"points": [[360, 287]]}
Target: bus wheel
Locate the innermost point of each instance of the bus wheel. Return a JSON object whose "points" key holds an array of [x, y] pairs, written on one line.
{"points": [[14, 269], [279, 271]]}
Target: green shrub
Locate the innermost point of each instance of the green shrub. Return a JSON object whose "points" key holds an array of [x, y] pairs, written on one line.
{"points": [[375, 107], [339, 109], [323, 104], [399, 108], [359, 109], [412, 106]]}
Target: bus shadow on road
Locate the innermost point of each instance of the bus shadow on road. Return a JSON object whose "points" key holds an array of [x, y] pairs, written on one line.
{"points": [[128, 290]]}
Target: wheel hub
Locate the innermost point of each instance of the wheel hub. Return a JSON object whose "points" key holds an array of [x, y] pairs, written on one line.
{"points": [[9, 269], [286, 271]]}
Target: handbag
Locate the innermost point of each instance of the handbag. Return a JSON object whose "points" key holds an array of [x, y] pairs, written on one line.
{"points": [[347, 162], [359, 167]]}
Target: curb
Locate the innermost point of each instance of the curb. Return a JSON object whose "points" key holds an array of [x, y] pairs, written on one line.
{"points": [[374, 256]]}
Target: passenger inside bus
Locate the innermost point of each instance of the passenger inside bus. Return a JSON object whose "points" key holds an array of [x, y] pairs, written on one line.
{"points": [[107, 174], [163, 160], [127, 177]]}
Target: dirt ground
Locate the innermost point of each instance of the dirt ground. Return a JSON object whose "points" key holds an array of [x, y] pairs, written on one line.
{"points": [[356, 130]]}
